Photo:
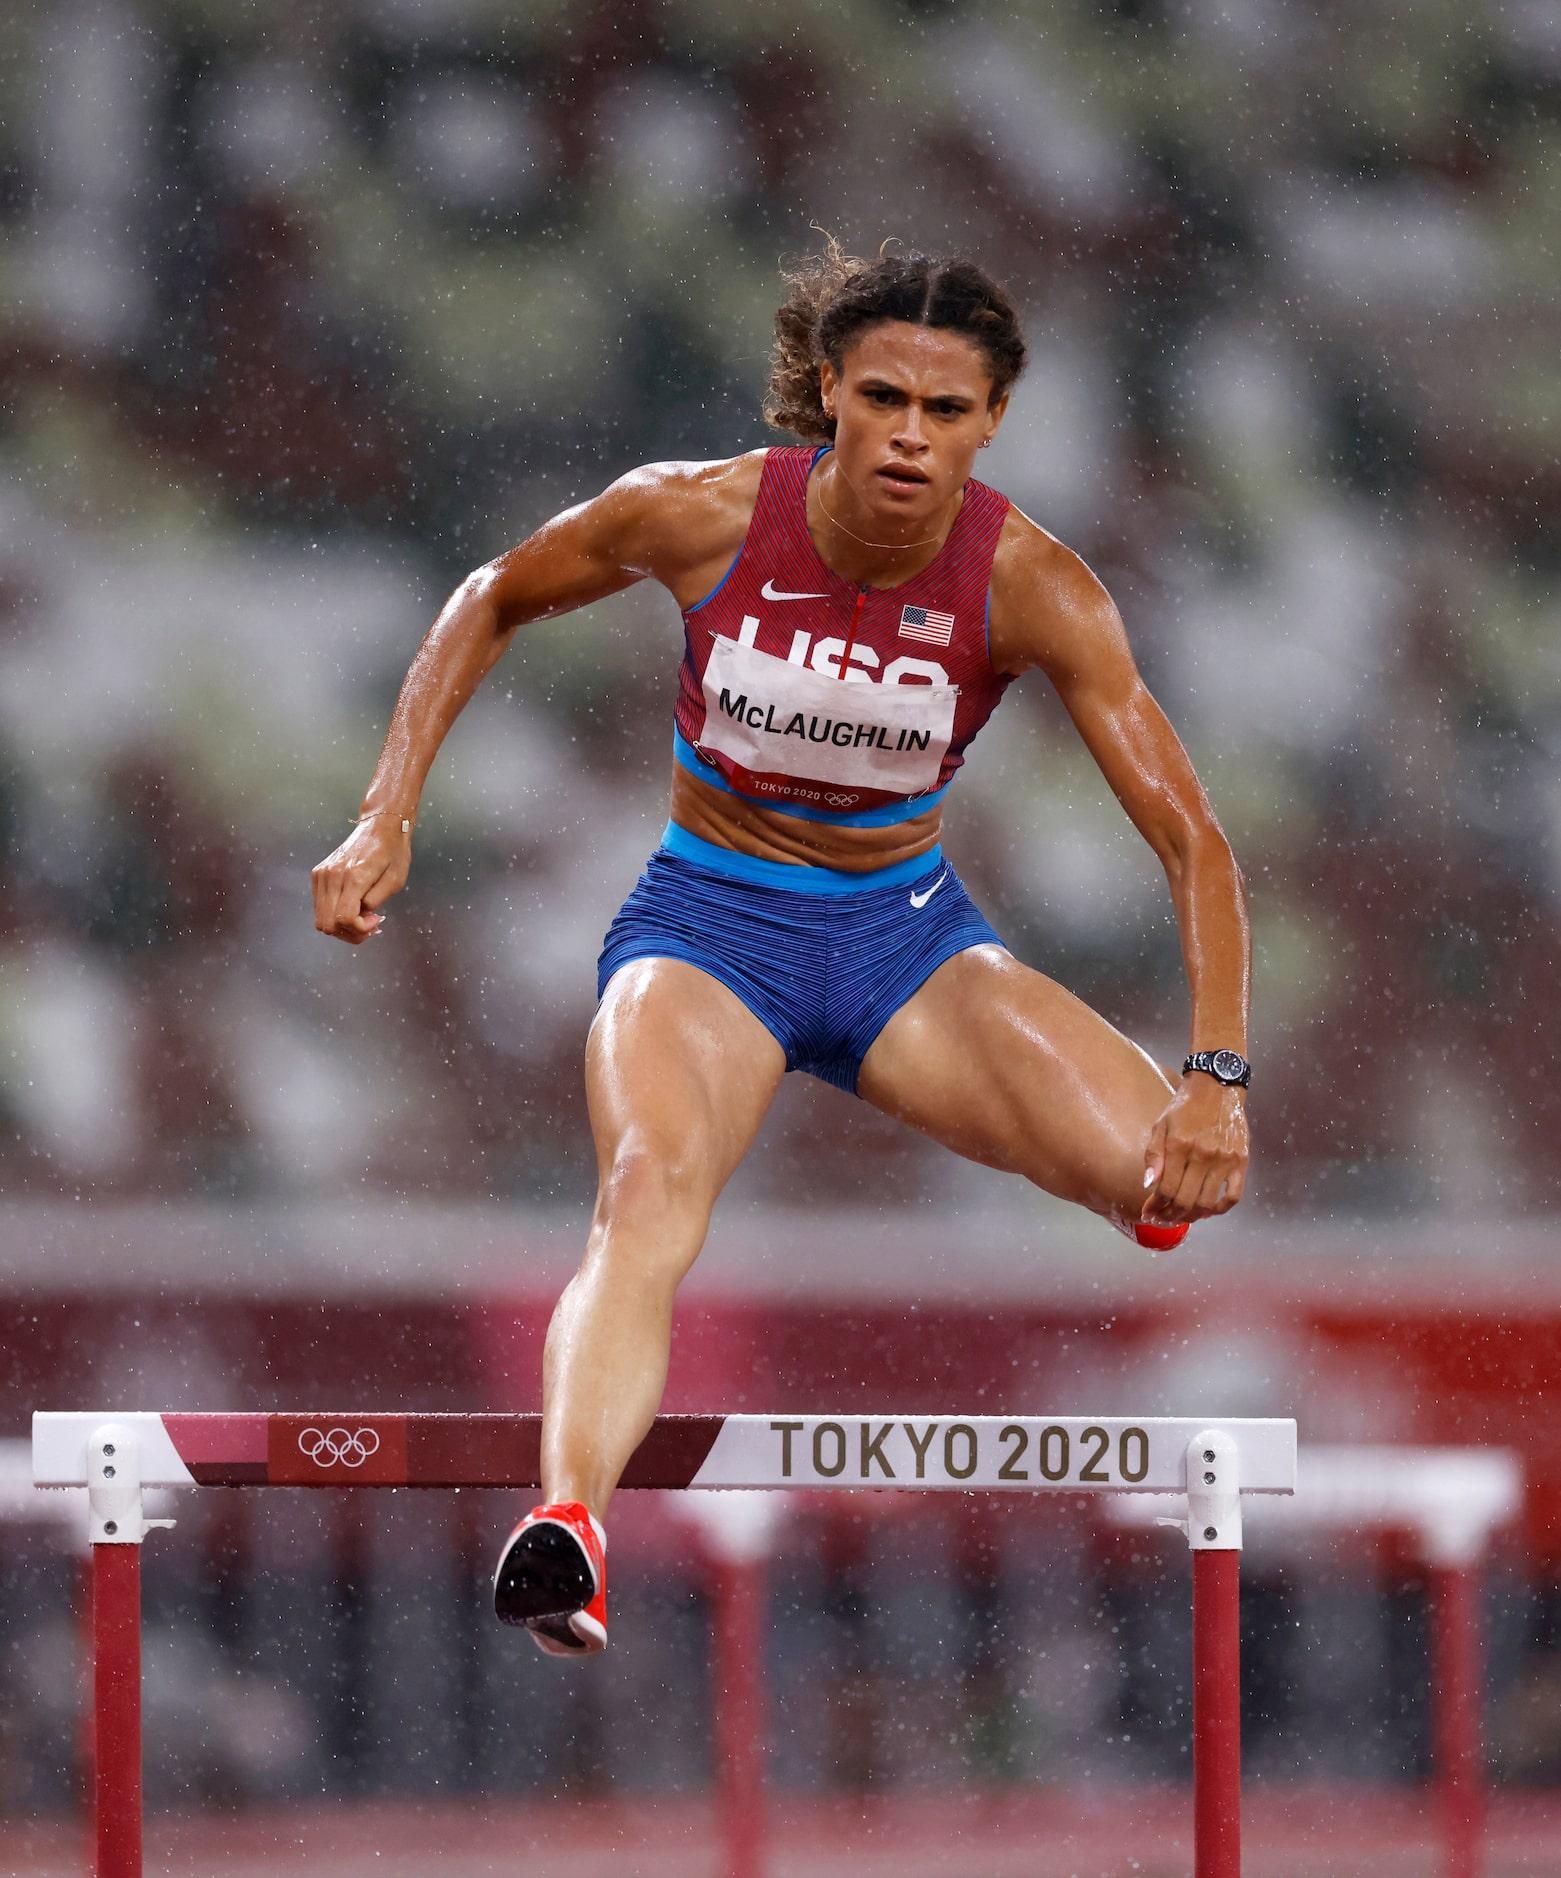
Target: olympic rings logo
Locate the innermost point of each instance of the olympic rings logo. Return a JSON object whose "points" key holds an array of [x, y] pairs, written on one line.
{"points": [[838, 801], [338, 1447]]}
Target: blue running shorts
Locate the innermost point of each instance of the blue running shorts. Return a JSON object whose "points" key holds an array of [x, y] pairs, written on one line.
{"points": [[823, 964]]}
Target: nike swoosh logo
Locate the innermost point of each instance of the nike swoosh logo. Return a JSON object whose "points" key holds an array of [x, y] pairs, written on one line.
{"points": [[768, 592], [919, 900]]}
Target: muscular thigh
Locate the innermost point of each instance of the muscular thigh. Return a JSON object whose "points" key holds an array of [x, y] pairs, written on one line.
{"points": [[1001, 1064], [679, 1075]]}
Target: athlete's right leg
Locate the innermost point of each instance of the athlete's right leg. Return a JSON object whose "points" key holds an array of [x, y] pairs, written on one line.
{"points": [[679, 1076]]}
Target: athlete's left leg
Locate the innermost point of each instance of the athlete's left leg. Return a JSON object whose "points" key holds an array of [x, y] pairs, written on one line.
{"points": [[1001, 1064]]}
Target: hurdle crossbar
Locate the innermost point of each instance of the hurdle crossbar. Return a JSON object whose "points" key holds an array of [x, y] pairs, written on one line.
{"points": [[1028, 1453], [1212, 1464]]}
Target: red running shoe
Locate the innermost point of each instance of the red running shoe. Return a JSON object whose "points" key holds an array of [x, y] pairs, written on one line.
{"points": [[1159, 1238], [553, 1579]]}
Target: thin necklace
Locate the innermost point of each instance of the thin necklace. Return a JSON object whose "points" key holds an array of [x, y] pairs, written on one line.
{"points": [[891, 545]]}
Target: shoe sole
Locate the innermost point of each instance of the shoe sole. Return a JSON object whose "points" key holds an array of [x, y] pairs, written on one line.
{"points": [[545, 1573], [578, 1634]]}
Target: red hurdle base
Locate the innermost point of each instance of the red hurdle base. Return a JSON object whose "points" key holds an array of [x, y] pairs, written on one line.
{"points": [[1455, 1748], [739, 1587], [1216, 1714], [116, 1696]]}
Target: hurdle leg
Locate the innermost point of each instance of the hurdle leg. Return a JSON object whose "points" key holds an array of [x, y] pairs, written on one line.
{"points": [[738, 1531], [739, 1586], [1214, 1533], [116, 1704], [86, 1704], [1216, 1713], [115, 1529], [1457, 1760]]}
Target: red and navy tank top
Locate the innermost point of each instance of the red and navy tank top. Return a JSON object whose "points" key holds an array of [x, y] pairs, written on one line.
{"points": [[831, 701]]}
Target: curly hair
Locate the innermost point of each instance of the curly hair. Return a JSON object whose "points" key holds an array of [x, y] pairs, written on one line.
{"points": [[836, 296]]}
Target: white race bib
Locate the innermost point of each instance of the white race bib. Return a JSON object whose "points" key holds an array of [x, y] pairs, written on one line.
{"points": [[776, 718]]}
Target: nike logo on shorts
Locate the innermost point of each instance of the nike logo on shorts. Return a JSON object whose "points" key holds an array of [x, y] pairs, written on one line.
{"points": [[919, 900], [768, 592]]}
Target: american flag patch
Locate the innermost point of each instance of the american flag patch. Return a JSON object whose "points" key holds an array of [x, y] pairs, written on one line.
{"points": [[917, 622]]}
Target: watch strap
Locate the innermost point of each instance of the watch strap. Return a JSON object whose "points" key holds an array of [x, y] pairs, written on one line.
{"points": [[1222, 1073]]}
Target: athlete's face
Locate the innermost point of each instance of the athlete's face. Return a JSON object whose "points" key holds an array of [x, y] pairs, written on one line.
{"points": [[911, 406]]}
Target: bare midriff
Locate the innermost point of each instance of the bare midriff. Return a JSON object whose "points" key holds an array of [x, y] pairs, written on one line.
{"points": [[729, 821]]}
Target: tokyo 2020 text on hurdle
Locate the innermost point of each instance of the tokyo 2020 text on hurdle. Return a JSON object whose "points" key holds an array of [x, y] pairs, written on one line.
{"points": [[1212, 1463]]}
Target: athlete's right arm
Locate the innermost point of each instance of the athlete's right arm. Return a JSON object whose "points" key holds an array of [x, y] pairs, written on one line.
{"points": [[664, 522]]}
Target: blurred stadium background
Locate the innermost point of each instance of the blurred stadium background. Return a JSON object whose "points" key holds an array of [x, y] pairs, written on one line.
{"points": [[309, 308]]}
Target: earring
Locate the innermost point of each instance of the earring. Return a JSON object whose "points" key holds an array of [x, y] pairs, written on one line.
{"points": [[985, 443]]}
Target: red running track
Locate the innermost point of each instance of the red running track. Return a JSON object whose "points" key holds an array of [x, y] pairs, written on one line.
{"points": [[1132, 1832]]}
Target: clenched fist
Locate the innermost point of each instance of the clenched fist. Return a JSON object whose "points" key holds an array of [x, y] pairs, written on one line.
{"points": [[351, 884], [1196, 1164]]}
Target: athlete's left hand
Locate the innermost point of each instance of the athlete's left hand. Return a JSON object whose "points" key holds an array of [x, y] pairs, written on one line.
{"points": [[1196, 1162]]}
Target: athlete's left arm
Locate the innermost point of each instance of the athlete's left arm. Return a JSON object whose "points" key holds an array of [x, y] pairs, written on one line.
{"points": [[1049, 611]]}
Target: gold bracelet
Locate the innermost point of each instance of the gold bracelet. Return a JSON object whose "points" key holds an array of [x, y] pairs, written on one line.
{"points": [[407, 821]]}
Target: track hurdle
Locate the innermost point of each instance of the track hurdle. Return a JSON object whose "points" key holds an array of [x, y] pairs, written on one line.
{"points": [[1450, 1502], [1212, 1464]]}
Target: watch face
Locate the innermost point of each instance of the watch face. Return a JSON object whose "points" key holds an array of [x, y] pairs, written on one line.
{"points": [[1228, 1066]]}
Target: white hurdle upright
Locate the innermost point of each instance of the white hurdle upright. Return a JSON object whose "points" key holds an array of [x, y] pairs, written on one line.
{"points": [[1211, 1465]]}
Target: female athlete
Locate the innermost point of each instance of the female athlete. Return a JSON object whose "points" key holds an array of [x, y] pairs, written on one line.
{"points": [[854, 611]]}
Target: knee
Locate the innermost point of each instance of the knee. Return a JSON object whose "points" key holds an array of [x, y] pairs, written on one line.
{"points": [[646, 1181]]}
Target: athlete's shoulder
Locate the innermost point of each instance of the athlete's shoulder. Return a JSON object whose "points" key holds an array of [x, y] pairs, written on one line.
{"points": [[1026, 550], [1046, 602], [689, 488], [682, 512]]}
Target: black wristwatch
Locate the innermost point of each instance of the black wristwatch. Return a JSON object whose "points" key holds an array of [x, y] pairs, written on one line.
{"points": [[1229, 1067]]}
